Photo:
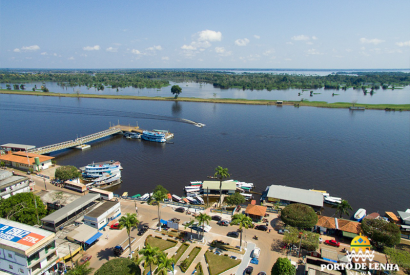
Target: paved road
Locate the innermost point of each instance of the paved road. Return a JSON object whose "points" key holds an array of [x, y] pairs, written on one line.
{"points": [[246, 259]]}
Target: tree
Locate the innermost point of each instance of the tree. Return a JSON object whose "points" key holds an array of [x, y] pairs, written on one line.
{"points": [[67, 173], [381, 233], [221, 173], [150, 255], [161, 188], [189, 224], [203, 218], [283, 266], [158, 196], [343, 208], [2, 163], [305, 239], [164, 264], [243, 221], [176, 90], [21, 208], [299, 215], [129, 221], [81, 269], [235, 199]]}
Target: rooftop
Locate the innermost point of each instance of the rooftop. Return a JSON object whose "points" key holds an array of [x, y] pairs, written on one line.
{"points": [[24, 158], [295, 195], [405, 216], [214, 185], [256, 210], [341, 224], [372, 216], [22, 237], [11, 181], [392, 216], [52, 196], [19, 146], [102, 209]]}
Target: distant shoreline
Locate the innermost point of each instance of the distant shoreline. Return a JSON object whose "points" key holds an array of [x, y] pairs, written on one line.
{"points": [[322, 104]]}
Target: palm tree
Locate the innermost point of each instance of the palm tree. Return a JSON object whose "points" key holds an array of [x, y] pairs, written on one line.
{"points": [[243, 221], [343, 208], [164, 264], [221, 173], [203, 218], [81, 269], [159, 196], [150, 255], [188, 224], [129, 221]]}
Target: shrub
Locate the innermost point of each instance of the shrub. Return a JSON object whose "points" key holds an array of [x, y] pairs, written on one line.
{"points": [[299, 215]]}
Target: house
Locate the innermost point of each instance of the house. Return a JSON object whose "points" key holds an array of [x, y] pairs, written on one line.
{"points": [[405, 223], [16, 147], [11, 185], [25, 161], [212, 187], [332, 225], [101, 215], [288, 195], [26, 249], [255, 212], [392, 217]]}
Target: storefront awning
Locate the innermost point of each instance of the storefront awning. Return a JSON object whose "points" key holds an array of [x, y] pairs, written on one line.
{"points": [[93, 238], [163, 221]]}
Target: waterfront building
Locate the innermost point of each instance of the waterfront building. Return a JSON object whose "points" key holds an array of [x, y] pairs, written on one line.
{"points": [[288, 195], [11, 185], [25, 161], [84, 235], [255, 212], [392, 217], [68, 214], [212, 187], [54, 199], [342, 227], [101, 215], [16, 147], [25, 249], [405, 223]]}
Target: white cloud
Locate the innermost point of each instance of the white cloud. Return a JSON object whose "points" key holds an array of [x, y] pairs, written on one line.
{"points": [[241, 42], [55, 54], [314, 37], [135, 51], [289, 43], [188, 47], [300, 37], [16, 50], [222, 52], [208, 35], [313, 52], [30, 48], [94, 48], [257, 36], [43, 53], [374, 41], [309, 43], [288, 59], [403, 44], [165, 58], [155, 48], [71, 58], [268, 52], [111, 49]]}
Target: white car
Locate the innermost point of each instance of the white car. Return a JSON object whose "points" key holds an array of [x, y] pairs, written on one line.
{"points": [[256, 252]]}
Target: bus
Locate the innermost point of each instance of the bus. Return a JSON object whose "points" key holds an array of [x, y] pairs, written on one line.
{"points": [[75, 186], [106, 195]]}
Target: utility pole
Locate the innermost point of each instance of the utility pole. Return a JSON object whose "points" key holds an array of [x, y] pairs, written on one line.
{"points": [[35, 203], [45, 186], [301, 237]]}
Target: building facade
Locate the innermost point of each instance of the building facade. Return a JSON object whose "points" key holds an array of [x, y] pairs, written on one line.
{"points": [[25, 161], [100, 216], [11, 185]]}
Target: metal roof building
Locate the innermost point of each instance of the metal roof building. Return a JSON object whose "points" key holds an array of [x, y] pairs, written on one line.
{"points": [[295, 195], [212, 187], [17, 147], [69, 212]]}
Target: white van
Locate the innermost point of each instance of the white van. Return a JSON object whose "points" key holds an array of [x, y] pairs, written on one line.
{"points": [[256, 252]]}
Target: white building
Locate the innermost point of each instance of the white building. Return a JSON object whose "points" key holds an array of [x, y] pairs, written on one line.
{"points": [[100, 216], [11, 185], [25, 249], [24, 160]]}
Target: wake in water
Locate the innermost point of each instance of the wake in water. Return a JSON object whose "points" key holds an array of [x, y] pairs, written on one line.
{"points": [[43, 108]]}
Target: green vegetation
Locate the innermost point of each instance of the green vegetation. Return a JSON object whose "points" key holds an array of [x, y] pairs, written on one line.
{"points": [[243, 221], [176, 90], [199, 270], [227, 247], [283, 266], [399, 257], [310, 240], [218, 264], [119, 266], [81, 269], [181, 250], [203, 218], [299, 215], [67, 173], [191, 257], [159, 195], [21, 208], [221, 173], [165, 264], [381, 233], [323, 104], [160, 243], [235, 199], [149, 255], [129, 221], [343, 208]]}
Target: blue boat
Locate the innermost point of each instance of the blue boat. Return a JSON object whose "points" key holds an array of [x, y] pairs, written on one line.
{"points": [[153, 136], [96, 170]]}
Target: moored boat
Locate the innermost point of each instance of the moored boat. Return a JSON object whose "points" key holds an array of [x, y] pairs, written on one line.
{"points": [[332, 200], [153, 136], [176, 198], [96, 170], [360, 214], [125, 194], [198, 198], [189, 189], [144, 197], [196, 183], [106, 180]]}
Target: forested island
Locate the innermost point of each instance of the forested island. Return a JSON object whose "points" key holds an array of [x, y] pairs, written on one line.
{"points": [[101, 79]]}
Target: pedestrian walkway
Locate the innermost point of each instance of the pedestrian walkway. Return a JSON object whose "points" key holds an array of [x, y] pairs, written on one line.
{"points": [[246, 258]]}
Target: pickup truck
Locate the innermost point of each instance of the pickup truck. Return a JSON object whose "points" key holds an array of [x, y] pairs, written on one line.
{"points": [[119, 249]]}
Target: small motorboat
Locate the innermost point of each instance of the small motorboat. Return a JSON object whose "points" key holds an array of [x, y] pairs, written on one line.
{"points": [[360, 214]]}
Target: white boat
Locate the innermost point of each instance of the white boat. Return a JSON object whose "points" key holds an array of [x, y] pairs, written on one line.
{"points": [[201, 201], [193, 183], [176, 198], [144, 197], [191, 200], [107, 180], [360, 214], [332, 200], [192, 194], [247, 196], [189, 189]]}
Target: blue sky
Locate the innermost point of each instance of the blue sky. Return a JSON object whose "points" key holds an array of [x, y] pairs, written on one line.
{"points": [[205, 34]]}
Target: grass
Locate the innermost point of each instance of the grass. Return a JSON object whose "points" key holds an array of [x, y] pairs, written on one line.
{"points": [[172, 233], [119, 266], [160, 243], [218, 264], [199, 269], [191, 257], [323, 104], [181, 250], [227, 247]]}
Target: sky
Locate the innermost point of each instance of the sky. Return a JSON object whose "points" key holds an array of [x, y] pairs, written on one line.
{"points": [[366, 34]]}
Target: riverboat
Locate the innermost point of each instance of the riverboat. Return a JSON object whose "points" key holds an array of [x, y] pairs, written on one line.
{"points": [[247, 196], [107, 180], [176, 198], [132, 135], [360, 214], [192, 200], [196, 183], [189, 189], [153, 136], [96, 170], [144, 197], [199, 199]]}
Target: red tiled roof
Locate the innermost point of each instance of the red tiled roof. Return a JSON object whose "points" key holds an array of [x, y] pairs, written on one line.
{"points": [[326, 222], [256, 210], [21, 157]]}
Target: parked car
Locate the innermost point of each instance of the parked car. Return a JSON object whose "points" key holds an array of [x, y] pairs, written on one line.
{"points": [[256, 252], [283, 231], [233, 234], [223, 223], [262, 273], [115, 226], [180, 209], [249, 270], [261, 227], [234, 257], [332, 243], [216, 218], [143, 229], [175, 220], [84, 259]]}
